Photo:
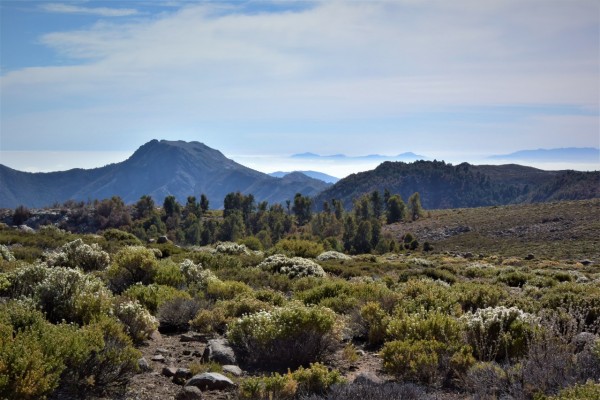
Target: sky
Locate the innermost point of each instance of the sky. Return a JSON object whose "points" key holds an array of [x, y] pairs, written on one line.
{"points": [[85, 83]]}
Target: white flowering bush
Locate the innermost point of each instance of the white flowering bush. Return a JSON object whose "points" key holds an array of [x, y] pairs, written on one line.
{"points": [[231, 248], [421, 262], [293, 267], [77, 254], [6, 254], [71, 295], [138, 321], [333, 255], [287, 336], [196, 277], [499, 333]]}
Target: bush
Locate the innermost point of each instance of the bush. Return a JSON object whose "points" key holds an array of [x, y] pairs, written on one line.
{"points": [[133, 264], [375, 321], [153, 296], [373, 391], [6, 254], [426, 325], [288, 336], [226, 290], [589, 390], [72, 295], [175, 315], [294, 267], [139, 323], [299, 248], [412, 360], [77, 254], [169, 274], [38, 359], [210, 321], [333, 255], [317, 378], [498, 333], [473, 295], [231, 248]]}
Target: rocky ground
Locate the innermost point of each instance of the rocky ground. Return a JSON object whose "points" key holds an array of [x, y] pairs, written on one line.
{"points": [[166, 353]]}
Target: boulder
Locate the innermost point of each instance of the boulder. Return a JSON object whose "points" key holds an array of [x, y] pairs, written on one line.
{"points": [[162, 239], [143, 364], [169, 371], [218, 350], [211, 381], [158, 358], [182, 375], [189, 393], [233, 370], [367, 378]]}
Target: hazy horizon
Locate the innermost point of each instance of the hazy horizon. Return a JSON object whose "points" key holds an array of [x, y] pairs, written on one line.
{"points": [[450, 80]]}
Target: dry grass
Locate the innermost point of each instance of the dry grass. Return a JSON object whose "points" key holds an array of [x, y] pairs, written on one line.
{"points": [[562, 230]]}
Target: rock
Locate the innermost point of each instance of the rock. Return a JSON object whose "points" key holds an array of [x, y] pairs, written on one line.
{"points": [[169, 371], [233, 370], [218, 350], [162, 351], [197, 354], [151, 240], [529, 256], [155, 335], [211, 381], [158, 358], [189, 393], [196, 337], [162, 239], [367, 378], [468, 255], [182, 375], [143, 364], [586, 262]]}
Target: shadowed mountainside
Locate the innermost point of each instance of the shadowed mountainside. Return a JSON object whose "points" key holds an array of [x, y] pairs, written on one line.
{"points": [[159, 169]]}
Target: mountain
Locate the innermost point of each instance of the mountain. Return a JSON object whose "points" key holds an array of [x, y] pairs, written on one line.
{"points": [[158, 169], [408, 156], [569, 154], [443, 185], [313, 174]]}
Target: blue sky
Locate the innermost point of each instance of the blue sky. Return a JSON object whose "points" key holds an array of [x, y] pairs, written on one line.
{"points": [[87, 82]]}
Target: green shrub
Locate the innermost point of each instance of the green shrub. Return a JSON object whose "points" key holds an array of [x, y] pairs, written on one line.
{"points": [[153, 296], [317, 378], [412, 360], [295, 267], [139, 323], [498, 333], [23, 280], [375, 321], [77, 254], [426, 325], [121, 237], [473, 295], [226, 290], [299, 248], [133, 264], [585, 298], [287, 336], [170, 274], [514, 278], [209, 321], [587, 391], [419, 294], [72, 295], [252, 243], [6, 254]]}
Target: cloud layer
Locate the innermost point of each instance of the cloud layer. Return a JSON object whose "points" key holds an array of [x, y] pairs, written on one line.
{"points": [[408, 74]]}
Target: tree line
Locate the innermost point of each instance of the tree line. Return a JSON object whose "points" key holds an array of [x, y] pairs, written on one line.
{"points": [[258, 224]]}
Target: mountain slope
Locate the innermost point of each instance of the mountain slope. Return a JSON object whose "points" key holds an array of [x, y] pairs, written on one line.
{"points": [[443, 185], [159, 169]]}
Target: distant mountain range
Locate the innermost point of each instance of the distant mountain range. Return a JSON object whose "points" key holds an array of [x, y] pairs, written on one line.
{"points": [[443, 185], [182, 169], [158, 169], [372, 157], [313, 174], [569, 154]]}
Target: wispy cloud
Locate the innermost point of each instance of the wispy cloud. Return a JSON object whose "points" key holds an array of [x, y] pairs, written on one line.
{"points": [[330, 73], [99, 11]]}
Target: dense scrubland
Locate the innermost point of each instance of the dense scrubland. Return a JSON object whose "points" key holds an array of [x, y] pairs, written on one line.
{"points": [[384, 301]]}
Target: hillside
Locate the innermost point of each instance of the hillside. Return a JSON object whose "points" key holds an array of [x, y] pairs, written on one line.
{"points": [[159, 169], [559, 230], [443, 185]]}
